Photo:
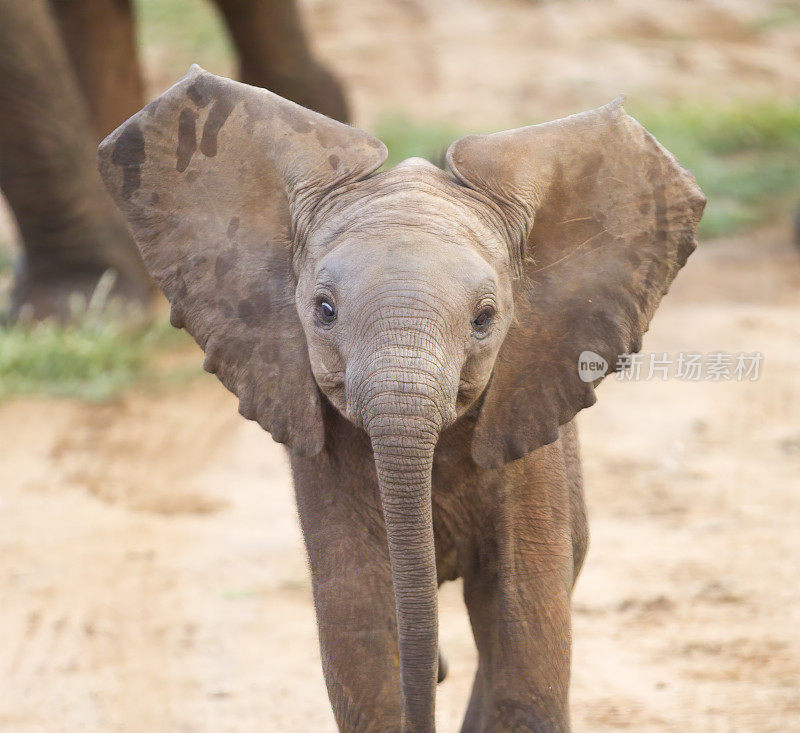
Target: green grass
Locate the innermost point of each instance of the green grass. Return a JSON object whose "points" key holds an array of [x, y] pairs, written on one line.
{"points": [[6, 261], [780, 16], [746, 157], [406, 139], [183, 32], [91, 360]]}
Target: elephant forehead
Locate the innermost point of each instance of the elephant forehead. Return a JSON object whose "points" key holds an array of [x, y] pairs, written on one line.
{"points": [[410, 206], [406, 253]]}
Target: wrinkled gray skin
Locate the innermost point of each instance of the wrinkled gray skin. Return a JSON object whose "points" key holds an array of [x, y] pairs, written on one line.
{"points": [[413, 336], [69, 74]]}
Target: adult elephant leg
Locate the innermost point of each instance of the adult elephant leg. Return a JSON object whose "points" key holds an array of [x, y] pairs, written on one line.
{"points": [[337, 500], [71, 231], [274, 53], [100, 36], [517, 595]]}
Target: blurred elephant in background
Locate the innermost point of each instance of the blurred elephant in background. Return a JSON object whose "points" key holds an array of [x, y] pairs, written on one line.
{"points": [[69, 74]]}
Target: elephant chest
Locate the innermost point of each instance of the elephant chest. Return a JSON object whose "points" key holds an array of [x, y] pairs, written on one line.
{"points": [[486, 520]]}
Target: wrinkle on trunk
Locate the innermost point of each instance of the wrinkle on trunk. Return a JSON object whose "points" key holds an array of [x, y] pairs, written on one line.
{"points": [[403, 445]]}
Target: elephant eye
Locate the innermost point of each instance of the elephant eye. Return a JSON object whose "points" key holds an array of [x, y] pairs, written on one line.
{"points": [[325, 311], [483, 319]]}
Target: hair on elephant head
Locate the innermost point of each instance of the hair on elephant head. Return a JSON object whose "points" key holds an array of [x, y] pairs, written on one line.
{"points": [[405, 296]]}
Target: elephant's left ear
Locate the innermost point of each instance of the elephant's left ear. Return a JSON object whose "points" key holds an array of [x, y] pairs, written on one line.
{"points": [[601, 217]]}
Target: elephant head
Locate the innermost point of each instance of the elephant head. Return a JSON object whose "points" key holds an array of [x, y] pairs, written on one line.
{"points": [[404, 297]]}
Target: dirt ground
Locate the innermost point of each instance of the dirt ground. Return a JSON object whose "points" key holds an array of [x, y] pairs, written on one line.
{"points": [[153, 576]]}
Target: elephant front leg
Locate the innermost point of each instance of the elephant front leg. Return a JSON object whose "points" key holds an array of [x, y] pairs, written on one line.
{"points": [[523, 640], [517, 594], [359, 651], [354, 602]]}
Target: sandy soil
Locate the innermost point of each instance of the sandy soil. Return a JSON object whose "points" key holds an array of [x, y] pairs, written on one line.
{"points": [[485, 64], [153, 577], [488, 64]]}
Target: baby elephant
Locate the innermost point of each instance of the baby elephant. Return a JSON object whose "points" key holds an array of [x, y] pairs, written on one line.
{"points": [[413, 336]]}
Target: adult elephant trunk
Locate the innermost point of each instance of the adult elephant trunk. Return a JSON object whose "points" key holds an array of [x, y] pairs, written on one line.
{"points": [[403, 422]]}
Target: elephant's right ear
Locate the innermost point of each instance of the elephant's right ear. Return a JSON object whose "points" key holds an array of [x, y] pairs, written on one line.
{"points": [[214, 177]]}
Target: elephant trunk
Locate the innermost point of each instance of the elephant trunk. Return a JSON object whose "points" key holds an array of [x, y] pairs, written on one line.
{"points": [[404, 427], [404, 460]]}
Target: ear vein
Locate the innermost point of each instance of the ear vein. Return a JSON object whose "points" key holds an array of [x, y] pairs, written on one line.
{"points": [[573, 253]]}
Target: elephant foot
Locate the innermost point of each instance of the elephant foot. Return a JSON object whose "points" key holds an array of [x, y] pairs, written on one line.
{"points": [[67, 293]]}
